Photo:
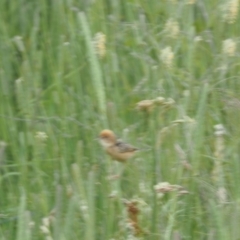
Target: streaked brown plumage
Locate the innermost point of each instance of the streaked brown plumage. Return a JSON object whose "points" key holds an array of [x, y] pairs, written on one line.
{"points": [[116, 148]]}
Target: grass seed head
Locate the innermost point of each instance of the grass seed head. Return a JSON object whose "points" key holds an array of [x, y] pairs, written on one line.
{"points": [[229, 47], [99, 42], [145, 105], [172, 28], [167, 56], [41, 136], [230, 11]]}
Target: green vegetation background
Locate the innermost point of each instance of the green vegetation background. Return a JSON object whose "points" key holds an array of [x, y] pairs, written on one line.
{"points": [[53, 82]]}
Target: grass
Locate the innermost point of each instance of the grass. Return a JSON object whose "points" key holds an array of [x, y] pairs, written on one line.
{"points": [[57, 94]]}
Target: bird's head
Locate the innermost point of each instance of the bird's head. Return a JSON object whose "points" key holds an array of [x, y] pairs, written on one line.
{"points": [[107, 138]]}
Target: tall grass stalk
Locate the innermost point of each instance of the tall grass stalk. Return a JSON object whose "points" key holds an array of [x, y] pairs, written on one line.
{"points": [[96, 72]]}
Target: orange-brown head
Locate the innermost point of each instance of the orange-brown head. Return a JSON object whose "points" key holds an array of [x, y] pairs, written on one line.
{"points": [[107, 138]]}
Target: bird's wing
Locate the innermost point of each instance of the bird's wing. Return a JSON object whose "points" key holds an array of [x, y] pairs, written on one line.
{"points": [[124, 147]]}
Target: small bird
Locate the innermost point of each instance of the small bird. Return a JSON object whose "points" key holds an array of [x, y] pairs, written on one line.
{"points": [[115, 147]]}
